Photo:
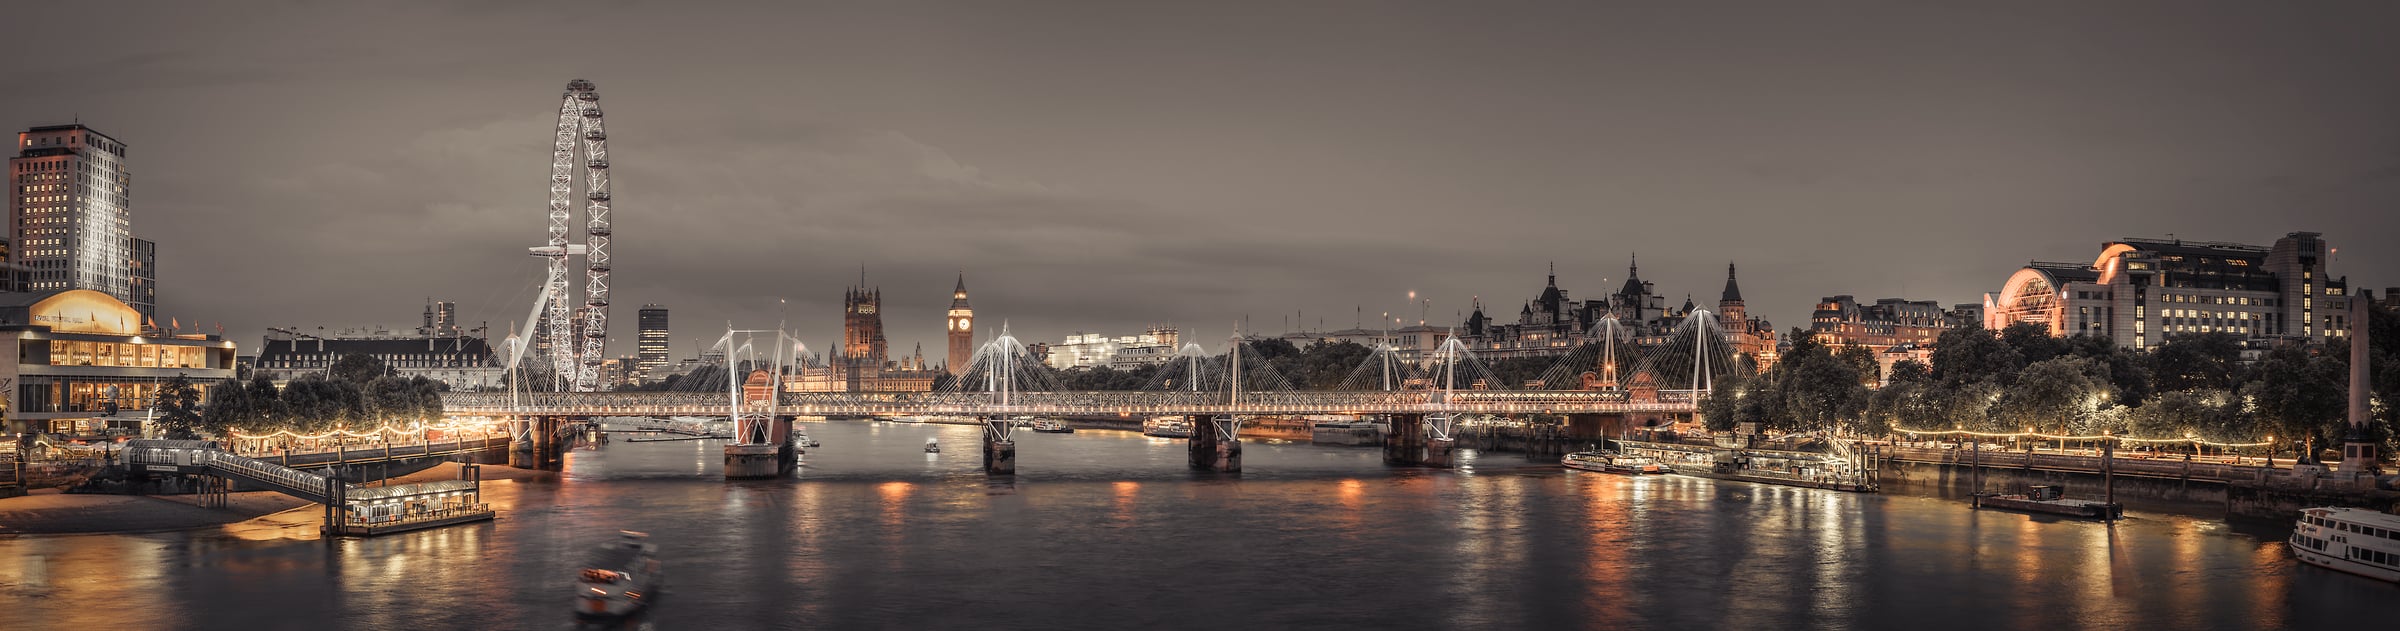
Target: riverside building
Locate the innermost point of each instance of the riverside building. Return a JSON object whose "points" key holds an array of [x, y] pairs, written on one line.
{"points": [[2140, 292], [84, 363], [70, 217]]}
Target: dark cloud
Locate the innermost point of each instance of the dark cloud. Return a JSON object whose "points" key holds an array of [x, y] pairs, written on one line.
{"points": [[1099, 167]]}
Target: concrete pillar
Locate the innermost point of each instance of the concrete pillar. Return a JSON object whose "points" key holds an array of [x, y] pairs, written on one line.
{"points": [[999, 456], [1216, 444], [1405, 445]]}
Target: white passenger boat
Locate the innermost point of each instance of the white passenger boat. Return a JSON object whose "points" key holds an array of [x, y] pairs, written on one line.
{"points": [[2354, 540], [1167, 427], [1048, 426], [932, 446], [623, 578], [1611, 462]]}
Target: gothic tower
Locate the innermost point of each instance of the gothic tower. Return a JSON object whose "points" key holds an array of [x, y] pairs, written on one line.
{"points": [[962, 329], [1729, 306], [862, 325]]}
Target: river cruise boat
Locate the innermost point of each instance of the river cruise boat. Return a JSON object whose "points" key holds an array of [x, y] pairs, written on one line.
{"points": [[2049, 500], [1048, 426], [1345, 432], [622, 579], [2354, 540], [932, 446], [1611, 462], [1167, 427], [800, 437]]}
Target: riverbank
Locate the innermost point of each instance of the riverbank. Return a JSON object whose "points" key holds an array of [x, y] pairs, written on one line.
{"points": [[50, 512]]}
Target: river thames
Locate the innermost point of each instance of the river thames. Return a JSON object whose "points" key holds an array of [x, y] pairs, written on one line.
{"points": [[1109, 530]]}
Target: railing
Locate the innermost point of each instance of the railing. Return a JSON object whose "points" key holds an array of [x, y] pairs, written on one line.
{"points": [[207, 459], [2122, 465], [381, 521], [1077, 403]]}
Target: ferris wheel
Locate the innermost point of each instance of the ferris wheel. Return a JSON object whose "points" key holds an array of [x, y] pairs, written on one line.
{"points": [[577, 348]]}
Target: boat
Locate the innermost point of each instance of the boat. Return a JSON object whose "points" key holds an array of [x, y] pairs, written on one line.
{"points": [[1048, 426], [1345, 432], [2049, 500], [1167, 427], [622, 579], [800, 437], [2354, 540], [932, 446], [1612, 462]]}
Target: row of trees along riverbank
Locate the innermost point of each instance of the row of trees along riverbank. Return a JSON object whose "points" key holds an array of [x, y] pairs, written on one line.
{"points": [[2022, 379], [358, 393]]}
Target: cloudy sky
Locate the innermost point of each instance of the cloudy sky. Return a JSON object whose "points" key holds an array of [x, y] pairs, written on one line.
{"points": [[1098, 166]]}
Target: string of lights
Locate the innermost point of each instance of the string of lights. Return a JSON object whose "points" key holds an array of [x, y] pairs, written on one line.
{"points": [[385, 429], [2038, 435]]}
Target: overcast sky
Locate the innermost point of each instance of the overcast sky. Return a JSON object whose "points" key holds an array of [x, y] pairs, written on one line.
{"points": [[1099, 166]]}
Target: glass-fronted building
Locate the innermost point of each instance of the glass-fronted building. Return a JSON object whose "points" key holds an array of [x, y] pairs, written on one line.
{"points": [[83, 365]]}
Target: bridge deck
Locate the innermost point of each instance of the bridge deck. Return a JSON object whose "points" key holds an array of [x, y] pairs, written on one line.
{"points": [[1073, 403]]}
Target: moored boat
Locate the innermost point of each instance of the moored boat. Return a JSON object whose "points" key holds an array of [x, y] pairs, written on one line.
{"points": [[1048, 426], [1611, 462], [1167, 427], [2354, 540], [622, 579], [2049, 500]]}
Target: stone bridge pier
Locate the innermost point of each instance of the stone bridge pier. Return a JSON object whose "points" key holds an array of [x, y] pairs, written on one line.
{"points": [[999, 449], [1415, 441], [1216, 444], [540, 443]]}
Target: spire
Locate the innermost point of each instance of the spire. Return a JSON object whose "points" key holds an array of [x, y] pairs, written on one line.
{"points": [[1554, 273], [958, 297], [1733, 292], [1633, 278]]}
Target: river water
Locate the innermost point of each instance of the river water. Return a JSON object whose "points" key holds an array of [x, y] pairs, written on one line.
{"points": [[1109, 530]]}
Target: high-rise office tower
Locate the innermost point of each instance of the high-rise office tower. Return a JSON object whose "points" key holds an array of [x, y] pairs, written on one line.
{"points": [[651, 348], [69, 217]]}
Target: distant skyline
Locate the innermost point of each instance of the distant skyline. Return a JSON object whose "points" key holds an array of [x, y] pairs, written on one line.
{"points": [[1102, 167]]}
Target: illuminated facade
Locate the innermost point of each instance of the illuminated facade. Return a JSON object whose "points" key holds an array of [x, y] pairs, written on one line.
{"points": [[1889, 322], [1155, 345], [863, 363], [70, 222], [2139, 292], [650, 349], [83, 363], [961, 330], [1552, 324], [438, 350]]}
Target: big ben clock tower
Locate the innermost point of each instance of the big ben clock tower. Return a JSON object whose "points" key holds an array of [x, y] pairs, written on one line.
{"points": [[962, 330]]}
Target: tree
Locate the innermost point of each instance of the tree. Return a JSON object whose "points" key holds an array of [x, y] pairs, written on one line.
{"points": [[2299, 395], [1820, 392], [1862, 361], [2061, 393], [228, 407], [1971, 353], [2129, 377], [2183, 413], [2033, 342], [179, 408], [267, 410], [2196, 361], [357, 368]]}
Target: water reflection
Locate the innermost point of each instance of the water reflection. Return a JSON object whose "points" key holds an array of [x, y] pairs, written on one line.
{"points": [[1109, 530]]}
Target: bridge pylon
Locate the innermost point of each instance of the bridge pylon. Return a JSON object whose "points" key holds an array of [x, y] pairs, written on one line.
{"points": [[999, 448], [1216, 444]]}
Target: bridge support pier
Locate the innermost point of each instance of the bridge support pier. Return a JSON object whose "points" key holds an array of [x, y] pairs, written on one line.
{"points": [[1418, 440], [538, 444], [1216, 444], [999, 451]]}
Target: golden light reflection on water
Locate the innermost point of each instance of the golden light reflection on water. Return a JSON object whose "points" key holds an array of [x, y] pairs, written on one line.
{"points": [[1122, 496], [82, 582], [1612, 542]]}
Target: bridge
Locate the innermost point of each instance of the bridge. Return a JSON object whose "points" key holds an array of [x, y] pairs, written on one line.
{"points": [[1078, 404], [350, 509]]}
